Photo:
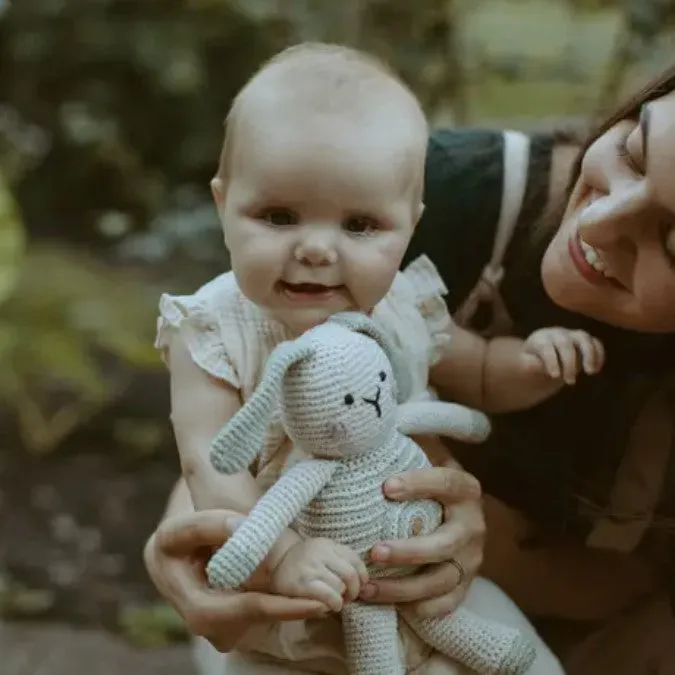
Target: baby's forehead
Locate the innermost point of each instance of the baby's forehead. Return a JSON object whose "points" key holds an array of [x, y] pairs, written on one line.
{"points": [[329, 99], [278, 116]]}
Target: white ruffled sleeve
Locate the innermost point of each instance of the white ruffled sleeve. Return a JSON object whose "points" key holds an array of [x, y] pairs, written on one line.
{"points": [[429, 290], [196, 319]]}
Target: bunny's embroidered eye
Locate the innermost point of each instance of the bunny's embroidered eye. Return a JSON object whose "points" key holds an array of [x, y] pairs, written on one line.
{"points": [[383, 376], [349, 399]]}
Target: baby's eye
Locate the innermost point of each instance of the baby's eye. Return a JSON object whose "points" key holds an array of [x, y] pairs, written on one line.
{"points": [[383, 376], [360, 224], [279, 217], [349, 399]]}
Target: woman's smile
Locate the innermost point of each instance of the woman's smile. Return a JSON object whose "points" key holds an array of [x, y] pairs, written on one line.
{"points": [[589, 262]]}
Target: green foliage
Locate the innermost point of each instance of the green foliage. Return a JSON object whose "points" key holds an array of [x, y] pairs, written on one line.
{"points": [[58, 312], [151, 626], [12, 241], [19, 600], [66, 311]]}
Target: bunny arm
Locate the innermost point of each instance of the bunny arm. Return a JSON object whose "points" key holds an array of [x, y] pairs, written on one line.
{"points": [[237, 559], [444, 419]]}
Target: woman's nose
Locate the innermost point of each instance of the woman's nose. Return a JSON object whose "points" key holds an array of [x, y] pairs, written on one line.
{"points": [[613, 218]]}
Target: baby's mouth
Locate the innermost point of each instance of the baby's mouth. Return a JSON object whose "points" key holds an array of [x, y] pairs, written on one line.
{"points": [[307, 291]]}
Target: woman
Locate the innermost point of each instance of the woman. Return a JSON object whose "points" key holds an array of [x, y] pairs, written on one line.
{"points": [[580, 491]]}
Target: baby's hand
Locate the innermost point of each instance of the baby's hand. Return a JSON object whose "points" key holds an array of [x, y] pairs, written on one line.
{"points": [[563, 353], [320, 569]]}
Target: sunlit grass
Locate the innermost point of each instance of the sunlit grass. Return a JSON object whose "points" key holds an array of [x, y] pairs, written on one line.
{"points": [[498, 99]]}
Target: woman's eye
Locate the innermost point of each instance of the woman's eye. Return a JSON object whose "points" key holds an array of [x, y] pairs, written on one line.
{"points": [[360, 225], [625, 154], [279, 217]]}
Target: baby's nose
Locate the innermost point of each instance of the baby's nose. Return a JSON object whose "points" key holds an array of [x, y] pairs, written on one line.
{"points": [[317, 249]]}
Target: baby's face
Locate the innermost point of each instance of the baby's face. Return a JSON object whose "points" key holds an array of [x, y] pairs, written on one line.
{"points": [[317, 215]]}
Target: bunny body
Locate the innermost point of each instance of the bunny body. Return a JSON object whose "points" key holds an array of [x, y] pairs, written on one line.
{"points": [[354, 500], [338, 388]]}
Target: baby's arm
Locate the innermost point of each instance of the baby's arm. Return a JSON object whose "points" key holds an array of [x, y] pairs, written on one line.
{"points": [[200, 406], [506, 373]]}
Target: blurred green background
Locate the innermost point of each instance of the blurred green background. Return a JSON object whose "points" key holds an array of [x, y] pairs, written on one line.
{"points": [[110, 127]]}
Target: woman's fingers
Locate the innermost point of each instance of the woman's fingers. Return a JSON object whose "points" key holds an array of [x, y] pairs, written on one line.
{"points": [[223, 618], [203, 607], [436, 608], [444, 484], [173, 561], [436, 547], [435, 582], [184, 534]]}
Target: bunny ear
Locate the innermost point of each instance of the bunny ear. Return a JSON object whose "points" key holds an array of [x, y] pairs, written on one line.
{"points": [[242, 439], [363, 324]]}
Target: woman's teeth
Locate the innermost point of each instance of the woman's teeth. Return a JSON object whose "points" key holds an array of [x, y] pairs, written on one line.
{"points": [[593, 258]]}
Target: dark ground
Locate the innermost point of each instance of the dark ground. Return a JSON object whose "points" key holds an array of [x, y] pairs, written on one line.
{"points": [[72, 530]]}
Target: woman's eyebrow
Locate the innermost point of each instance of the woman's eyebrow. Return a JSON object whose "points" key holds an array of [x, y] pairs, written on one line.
{"points": [[645, 117]]}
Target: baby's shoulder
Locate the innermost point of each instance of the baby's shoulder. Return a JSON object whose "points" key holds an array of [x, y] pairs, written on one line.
{"points": [[221, 327]]}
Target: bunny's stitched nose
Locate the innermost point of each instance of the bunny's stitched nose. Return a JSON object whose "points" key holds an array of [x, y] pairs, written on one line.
{"points": [[375, 402]]}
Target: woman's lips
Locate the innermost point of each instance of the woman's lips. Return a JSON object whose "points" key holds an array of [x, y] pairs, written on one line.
{"points": [[582, 265], [580, 252]]}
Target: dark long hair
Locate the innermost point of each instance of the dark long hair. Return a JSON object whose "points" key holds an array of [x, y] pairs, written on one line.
{"points": [[643, 352]]}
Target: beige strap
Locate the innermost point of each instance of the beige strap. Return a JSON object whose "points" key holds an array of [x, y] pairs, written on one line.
{"points": [[516, 164], [639, 479]]}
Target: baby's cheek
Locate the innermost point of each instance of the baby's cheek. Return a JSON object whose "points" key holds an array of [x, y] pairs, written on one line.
{"points": [[371, 288]]}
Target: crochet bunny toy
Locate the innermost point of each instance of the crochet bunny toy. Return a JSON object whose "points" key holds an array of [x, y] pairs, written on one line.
{"points": [[336, 387]]}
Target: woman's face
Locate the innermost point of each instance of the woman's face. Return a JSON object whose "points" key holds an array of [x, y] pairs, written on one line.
{"points": [[613, 258]]}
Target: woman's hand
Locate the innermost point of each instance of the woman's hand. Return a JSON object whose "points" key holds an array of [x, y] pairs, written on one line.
{"points": [[456, 545], [176, 556]]}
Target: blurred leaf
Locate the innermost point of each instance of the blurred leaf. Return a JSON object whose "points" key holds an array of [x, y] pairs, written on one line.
{"points": [[61, 292], [12, 240], [17, 600], [143, 436], [153, 626], [65, 311]]}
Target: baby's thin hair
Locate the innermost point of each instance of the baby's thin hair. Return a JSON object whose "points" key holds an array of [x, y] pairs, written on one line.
{"points": [[322, 77]]}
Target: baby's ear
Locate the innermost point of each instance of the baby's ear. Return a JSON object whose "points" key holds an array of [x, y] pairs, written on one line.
{"points": [[420, 210], [218, 192]]}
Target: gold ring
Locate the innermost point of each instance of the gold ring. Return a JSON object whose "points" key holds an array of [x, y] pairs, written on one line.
{"points": [[460, 570]]}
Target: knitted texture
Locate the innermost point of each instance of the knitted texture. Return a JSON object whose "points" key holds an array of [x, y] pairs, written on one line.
{"points": [[232, 450], [338, 401], [372, 636], [431, 417], [252, 541], [483, 646]]}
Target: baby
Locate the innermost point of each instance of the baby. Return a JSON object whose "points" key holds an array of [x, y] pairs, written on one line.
{"points": [[318, 190]]}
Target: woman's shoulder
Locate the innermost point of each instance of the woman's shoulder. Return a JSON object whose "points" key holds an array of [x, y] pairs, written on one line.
{"points": [[464, 179]]}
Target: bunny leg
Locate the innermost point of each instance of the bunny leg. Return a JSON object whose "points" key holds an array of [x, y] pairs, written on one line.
{"points": [[371, 639], [487, 647]]}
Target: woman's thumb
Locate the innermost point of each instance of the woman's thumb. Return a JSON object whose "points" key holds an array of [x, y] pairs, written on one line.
{"points": [[234, 521], [184, 534]]}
